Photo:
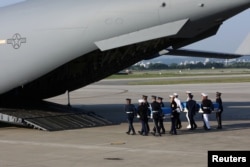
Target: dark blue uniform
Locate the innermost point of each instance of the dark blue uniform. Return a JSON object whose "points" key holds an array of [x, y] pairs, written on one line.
{"points": [[143, 113], [148, 115], [161, 125], [130, 111], [156, 109], [192, 108], [220, 110], [174, 117]]}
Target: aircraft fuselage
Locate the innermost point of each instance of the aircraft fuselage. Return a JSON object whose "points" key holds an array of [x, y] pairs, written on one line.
{"points": [[48, 47]]}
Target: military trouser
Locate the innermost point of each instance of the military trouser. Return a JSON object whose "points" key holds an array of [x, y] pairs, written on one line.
{"points": [[156, 123], [206, 121], [178, 121], [218, 117], [131, 127]]}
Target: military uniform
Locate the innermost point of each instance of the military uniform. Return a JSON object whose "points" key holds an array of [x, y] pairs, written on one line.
{"points": [[178, 109], [145, 98], [220, 109], [191, 107], [142, 112], [130, 111], [207, 107], [188, 93], [161, 120], [174, 115], [156, 110]]}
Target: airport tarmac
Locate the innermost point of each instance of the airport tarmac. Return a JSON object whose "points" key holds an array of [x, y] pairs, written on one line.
{"points": [[110, 146]]}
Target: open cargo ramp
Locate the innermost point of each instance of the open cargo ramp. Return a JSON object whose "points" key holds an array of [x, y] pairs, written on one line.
{"points": [[61, 118]]}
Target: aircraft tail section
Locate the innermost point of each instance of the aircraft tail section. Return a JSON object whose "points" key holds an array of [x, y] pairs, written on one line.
{"points": [[244, 48]]}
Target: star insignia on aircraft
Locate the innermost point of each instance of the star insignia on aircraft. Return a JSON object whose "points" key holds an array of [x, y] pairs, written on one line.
{"points": [[16, 41]]}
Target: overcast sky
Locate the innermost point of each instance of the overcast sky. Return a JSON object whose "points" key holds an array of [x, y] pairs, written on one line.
{"points": [[229, 37]]}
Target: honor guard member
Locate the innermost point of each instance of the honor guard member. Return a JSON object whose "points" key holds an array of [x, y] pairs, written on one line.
{"points": [[174, 115], [188, 93], [161, 120], [179, 109], [145, 98], [206, 107], [156, 110], [192, 108], [130, 111], [160, 101], [220, 109], [142, 112]]}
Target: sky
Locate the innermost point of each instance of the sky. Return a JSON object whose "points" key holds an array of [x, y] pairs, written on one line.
{"points": [[7, 2], [227, 39]]}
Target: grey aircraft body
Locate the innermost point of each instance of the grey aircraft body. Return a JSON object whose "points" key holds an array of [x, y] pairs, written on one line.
{"points": [[48, 47]]}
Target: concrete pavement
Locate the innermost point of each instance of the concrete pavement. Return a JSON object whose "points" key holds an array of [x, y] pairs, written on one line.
{"points": [[110, 147]]}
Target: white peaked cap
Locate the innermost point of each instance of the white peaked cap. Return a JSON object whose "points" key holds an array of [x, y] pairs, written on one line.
{"points": [[141, 101], [204, 94], [175, 94], [188, 92]]}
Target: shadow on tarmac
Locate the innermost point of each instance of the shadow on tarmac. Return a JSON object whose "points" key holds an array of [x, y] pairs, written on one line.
{"points": [[233, 111]]}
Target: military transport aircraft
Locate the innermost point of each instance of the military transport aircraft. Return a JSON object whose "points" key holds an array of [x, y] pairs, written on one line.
{"points": [[48, 47]]}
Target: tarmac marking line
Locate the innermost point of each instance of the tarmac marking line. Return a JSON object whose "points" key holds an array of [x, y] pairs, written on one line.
{"points": [[104, 148]]}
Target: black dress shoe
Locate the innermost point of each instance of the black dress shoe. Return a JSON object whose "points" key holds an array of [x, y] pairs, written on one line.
{"points": [[219, 127]]}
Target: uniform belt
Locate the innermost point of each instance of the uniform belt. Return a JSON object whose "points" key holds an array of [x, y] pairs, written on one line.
{"points": [[206, 107], [155, 111], [129, 112]]}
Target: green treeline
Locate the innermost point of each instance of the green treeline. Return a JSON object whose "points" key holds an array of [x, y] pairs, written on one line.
{"points": [[209, 65]]}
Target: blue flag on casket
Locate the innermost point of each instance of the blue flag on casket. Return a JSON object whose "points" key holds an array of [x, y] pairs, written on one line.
{"points": [[166, 111], [216, 107]]}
